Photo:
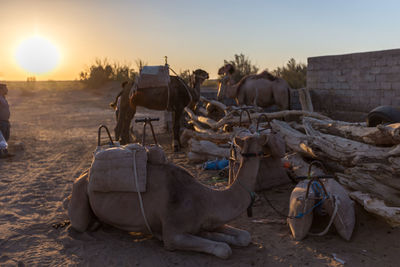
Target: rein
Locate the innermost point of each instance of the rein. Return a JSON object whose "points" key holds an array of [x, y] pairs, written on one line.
{"points": [[232, 159], [184, 84], [252, 199]]}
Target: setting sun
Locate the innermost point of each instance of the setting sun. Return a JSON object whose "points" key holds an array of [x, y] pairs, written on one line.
{"points": [[37, 55]]}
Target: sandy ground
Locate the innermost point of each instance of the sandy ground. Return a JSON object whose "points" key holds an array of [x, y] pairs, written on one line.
{"points": [[54, 131]]}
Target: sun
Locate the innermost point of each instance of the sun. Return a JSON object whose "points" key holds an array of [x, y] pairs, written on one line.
{"points": [[37, 55]]}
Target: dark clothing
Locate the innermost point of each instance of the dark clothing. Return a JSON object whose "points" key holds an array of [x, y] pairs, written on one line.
{"points": [[4, 117], [4, 109], [5, 129]]}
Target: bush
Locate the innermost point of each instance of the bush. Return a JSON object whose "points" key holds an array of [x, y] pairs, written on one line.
{"points": [[102, 71], [242, 65], [294, 73], [186, 75]]}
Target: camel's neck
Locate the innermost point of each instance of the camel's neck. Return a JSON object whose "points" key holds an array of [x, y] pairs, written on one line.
{"points": [[196, 89], [233, 88], [232, 202]]}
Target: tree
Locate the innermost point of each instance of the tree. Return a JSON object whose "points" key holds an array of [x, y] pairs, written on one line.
{"points": [[242, 65], [294, 73]]}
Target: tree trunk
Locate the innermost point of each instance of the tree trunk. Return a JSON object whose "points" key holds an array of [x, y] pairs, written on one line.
{"points": [[208, 148], [382, 135]]}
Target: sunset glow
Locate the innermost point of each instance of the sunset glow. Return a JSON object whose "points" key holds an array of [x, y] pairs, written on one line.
{"points": [[75, 33], [37, 55]]}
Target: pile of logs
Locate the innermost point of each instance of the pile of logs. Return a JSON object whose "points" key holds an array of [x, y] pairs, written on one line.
{"points": [[366, 160]]}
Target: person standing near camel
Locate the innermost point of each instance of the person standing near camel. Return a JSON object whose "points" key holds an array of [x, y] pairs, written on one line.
{"points": [[4, 113]]}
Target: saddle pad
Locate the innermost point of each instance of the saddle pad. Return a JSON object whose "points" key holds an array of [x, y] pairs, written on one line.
{"points": [[112, 169], [345, 218], [153, 76], [299, 204]]}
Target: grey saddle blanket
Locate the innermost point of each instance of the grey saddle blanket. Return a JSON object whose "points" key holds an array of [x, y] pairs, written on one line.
{"points": [[114, 169], [153, 76]]}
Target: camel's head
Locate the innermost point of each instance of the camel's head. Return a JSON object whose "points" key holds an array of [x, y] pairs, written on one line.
{"points": [[251, 145], [199, 76], [226, 69]]}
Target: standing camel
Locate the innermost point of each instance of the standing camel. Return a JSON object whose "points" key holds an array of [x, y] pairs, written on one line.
{"points": [[180, 211], [262, 90], [179, 96]]}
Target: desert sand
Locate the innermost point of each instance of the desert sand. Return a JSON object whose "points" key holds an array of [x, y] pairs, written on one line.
{"points": [[53, 135]]}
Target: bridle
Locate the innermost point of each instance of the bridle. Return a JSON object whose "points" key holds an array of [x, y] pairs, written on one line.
{"points": [[232, 160]]}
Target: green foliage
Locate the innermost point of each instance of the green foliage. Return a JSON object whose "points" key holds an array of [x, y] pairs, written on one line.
{"points": [[186, 75], [242, 65], [294, 73], [102, 71]]}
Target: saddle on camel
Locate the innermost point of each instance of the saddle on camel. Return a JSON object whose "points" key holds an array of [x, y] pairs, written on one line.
{"points": [[157, 90]]}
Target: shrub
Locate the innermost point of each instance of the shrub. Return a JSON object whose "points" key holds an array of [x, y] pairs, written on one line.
{"points": [[294, 73], [242, 65], [186, 75], [102, 71]]}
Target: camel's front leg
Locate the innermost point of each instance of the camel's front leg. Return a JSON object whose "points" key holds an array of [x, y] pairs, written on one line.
{"points": [[176, 129], [230, 235], [195, 243]]}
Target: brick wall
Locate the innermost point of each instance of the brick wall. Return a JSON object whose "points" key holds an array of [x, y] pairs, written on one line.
{"points": [[354, 82]]}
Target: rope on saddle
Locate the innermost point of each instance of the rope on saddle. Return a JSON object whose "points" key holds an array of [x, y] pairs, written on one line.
{"points": [[184, 84], [330, 221], [168, 97], [139, 194]]}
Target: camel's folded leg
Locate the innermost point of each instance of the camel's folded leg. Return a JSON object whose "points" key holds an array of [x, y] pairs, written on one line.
{"points": [[195, 243], [230, 235]]}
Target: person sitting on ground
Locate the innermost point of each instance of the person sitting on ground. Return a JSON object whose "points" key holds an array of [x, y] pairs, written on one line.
{"points": [[4, 113]]}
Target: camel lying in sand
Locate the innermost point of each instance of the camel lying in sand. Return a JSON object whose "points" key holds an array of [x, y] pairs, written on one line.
{"points": [[183, 213]]}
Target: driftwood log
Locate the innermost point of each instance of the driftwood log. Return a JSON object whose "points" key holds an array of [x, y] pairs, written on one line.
{"points": [[305, 99], [381, 135], [215, 103], [208, 135], [230, 118], [208, 148], [378, 207]]}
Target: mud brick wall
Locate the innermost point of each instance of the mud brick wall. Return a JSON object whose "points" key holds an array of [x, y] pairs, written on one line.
{"points": [[354, 82]]}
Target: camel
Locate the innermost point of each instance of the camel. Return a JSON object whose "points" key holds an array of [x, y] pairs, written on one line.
{"points": [[262, 90], [180, 95], [180, 211]]}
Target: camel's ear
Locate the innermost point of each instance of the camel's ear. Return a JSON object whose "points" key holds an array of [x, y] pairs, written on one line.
{"points": [[263, 140], [239, 142]]}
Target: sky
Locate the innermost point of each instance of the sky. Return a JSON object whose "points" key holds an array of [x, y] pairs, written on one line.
{"points": [[193, 34]]}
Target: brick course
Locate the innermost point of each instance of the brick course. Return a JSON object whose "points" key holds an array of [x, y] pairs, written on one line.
{"points": [[354, 82]]}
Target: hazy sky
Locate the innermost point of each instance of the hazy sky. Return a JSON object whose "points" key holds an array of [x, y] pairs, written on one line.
{"points": [[194, 34]]}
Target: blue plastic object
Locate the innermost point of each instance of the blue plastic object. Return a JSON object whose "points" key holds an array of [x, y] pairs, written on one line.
{"points": [[216, 164]]}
